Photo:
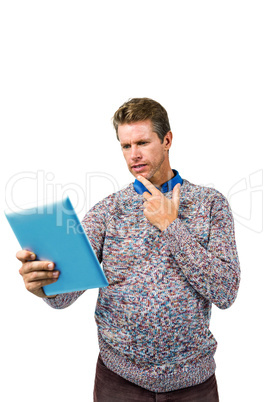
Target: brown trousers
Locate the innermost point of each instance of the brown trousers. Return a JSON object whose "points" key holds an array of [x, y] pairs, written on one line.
{"points": [[110, 387]]}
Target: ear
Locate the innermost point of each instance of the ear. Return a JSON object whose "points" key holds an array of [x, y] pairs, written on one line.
{"points": [[168, 140]]}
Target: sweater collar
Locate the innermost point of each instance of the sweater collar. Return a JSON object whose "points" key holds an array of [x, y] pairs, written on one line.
{"points": [[167, 186]]}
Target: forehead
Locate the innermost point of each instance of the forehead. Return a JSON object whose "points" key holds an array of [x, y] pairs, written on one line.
{"points": [[136, 131]]}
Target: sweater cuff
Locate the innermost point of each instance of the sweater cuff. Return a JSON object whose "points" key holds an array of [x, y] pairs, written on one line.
{"points": [[55, 302], [63, 300]]}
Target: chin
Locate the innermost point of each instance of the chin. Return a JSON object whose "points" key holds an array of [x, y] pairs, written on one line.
{"points": [[145, 175], [135, 174]]}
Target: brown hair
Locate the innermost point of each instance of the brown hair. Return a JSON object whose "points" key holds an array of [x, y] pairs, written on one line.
{"points": [[140, 109]]}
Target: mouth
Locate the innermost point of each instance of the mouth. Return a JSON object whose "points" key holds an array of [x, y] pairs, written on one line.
{"points": [[138, 168]]}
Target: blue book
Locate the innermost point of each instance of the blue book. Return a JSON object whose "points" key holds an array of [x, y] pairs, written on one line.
{"points": [[54, 233]]}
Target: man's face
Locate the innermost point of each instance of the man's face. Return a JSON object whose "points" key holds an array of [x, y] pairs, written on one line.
{"points": [[143, 151]]}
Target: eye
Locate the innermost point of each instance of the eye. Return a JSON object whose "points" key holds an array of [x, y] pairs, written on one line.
{"points": [[125, 146]]}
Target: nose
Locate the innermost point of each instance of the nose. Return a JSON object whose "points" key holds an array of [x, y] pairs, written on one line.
{"points": [[135, 153]]}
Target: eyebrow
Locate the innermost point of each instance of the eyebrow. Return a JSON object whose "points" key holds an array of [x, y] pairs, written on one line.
{"points": [[136, 142]]}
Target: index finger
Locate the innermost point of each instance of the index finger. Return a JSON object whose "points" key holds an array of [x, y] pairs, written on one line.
{"points": [[25, 255], [153, 190]]}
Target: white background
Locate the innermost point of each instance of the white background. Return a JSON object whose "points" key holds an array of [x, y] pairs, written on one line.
{"points": [[66, 66]]}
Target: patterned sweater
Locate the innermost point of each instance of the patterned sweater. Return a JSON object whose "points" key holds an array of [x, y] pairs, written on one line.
{"points": [[153, 318]]}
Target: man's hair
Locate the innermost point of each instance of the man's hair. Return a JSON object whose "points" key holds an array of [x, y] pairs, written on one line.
{"points": [[140, 109]]}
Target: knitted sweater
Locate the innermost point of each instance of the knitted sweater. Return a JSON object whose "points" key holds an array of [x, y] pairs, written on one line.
{"points": [[153, 317]]}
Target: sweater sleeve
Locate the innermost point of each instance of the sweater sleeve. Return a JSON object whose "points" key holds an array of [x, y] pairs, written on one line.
{"points": [[214, 271], [94, 227]]}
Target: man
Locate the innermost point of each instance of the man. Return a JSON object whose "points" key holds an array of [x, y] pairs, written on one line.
{"points": [[168, 251]]}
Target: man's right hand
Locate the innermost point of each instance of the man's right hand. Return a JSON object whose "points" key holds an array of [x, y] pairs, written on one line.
{"points": [[36, 274]]}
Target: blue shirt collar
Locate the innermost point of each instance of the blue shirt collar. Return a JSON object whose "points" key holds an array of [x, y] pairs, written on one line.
{"points": [[167, 186]]}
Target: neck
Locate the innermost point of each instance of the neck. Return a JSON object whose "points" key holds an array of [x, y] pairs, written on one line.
{"points": [[162, 177]]}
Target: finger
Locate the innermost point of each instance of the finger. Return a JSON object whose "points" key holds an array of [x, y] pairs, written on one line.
{"points": [[33, 286], [155, 200], [36, 266], [146, 195], [153, 190], [176, 195], [147, 207], [43, 275], [25, 255]]}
